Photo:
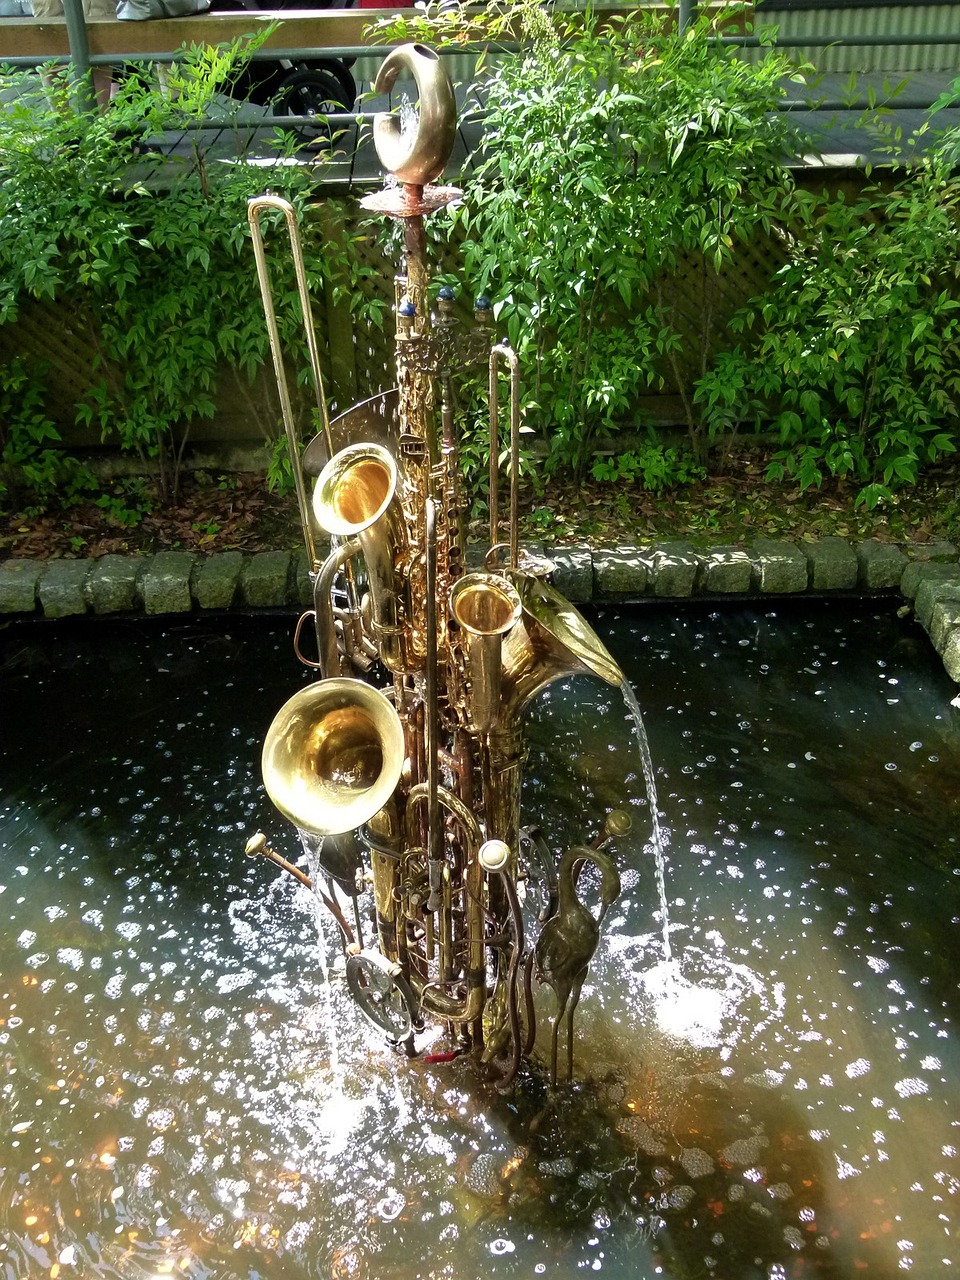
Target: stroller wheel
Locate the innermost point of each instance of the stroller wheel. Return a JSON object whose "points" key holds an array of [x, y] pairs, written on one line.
{"points": [[314, 92], [340, 70]]}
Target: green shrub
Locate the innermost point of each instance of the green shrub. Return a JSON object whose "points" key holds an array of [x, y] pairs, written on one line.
{"points": [[31, 463], [612, 147], [152, 254], [853, 355], [653, 466]]}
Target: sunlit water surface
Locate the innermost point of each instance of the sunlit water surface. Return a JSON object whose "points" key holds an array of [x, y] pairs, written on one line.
{"points": [[184, 1095]]}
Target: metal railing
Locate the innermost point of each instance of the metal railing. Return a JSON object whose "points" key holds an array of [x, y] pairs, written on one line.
{"points": [[81, 61]]}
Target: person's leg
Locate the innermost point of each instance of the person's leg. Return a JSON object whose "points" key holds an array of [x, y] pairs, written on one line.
{"points": [[103, 83], [49, 9]]}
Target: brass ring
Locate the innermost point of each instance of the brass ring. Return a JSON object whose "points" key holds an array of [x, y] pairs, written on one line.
{"points": [[418, 155]]}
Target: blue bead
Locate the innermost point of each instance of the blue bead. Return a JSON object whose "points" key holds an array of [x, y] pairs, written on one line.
{"points": [[407, 308], [446, 294], [483, 304]]}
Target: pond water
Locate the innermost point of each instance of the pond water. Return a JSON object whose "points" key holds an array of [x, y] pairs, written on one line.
{"points": [[183, 1094]]}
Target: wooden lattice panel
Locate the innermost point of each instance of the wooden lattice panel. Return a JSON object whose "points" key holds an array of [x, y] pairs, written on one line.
{"points": [[58, 336], [358, 357], [699, 302]]}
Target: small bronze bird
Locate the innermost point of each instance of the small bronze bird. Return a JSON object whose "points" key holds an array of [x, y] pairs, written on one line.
{"points": [[568, 940]]}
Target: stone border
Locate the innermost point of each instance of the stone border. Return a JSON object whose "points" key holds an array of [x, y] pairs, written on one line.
{"points": [[179, 582]]}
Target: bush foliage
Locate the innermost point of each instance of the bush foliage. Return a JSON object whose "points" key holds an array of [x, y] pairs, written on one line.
{"points": [[151, 253], [614, 149]]}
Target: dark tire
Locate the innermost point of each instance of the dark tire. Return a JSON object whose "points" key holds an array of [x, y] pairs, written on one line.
{"points": [[315, 92], [339, 69]]}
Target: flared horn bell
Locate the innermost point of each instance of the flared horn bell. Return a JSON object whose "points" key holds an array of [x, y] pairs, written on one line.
{"points": [[551, 640], [485, 606], [333, 756], [354, 498]]}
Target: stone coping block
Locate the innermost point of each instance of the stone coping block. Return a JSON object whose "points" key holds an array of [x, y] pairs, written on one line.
{"points": [[880, 565], [779, 567], [951, 654], [832, 565], [18, 585], [919, 571], [931, 592], [264, 580], [945, 619], [61, 589], [300, 572], [619, 573], [672, 570], [113, 584], [573, 573], [165, 585], [725, 571], [174, 582], [216, 579], [941, 552]]}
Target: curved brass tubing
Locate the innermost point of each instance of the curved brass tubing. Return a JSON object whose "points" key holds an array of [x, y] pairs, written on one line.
{"points": [[257, 845], [354, 498], [432, 998], [416, 156]]}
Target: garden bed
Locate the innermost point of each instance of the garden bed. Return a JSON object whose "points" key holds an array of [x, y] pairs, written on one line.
{"points": [[737, 503]]}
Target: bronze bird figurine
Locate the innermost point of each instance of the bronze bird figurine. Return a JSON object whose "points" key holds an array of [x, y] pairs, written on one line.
{"points": [[568, 940]]}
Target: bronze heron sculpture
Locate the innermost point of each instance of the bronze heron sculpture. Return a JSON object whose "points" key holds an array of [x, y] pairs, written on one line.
{"points": [[568, 940]]}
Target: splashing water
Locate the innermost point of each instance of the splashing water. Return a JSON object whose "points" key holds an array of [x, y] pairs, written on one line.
{"points": [[409, 116], [781, 1098], [327, 944]]}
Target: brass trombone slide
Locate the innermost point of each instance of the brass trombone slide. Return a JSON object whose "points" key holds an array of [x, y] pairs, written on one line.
{"points": [[504, 352], [255, 207]]}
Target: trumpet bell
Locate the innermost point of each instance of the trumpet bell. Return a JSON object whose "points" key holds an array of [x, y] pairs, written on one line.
{"points": [[333, 756], [485, 606]]}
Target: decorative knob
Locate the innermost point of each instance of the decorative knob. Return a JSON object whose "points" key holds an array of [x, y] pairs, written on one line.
{"points": [[494, 855]]}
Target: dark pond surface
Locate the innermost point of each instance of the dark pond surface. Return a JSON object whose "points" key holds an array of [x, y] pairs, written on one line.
{"points": [[183, 1094]]}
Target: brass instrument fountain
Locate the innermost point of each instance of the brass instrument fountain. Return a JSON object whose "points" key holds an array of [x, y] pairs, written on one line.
{"points": [[412, 790]]}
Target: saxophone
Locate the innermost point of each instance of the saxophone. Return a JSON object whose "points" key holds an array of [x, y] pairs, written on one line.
{"points": [[406, 793]]}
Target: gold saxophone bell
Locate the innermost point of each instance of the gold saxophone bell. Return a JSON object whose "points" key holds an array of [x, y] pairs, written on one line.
{"points": [[333, 756], [486, 607], [353, 498]]}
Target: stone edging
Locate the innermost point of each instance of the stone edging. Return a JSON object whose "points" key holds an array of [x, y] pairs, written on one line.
{"points": [[178, 582]]}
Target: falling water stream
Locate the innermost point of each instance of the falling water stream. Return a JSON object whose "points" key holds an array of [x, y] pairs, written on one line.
{"points": [[768, 1084], [656, 830]]}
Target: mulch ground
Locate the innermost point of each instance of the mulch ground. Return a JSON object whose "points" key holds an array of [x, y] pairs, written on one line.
{"points": [[736, 504]]}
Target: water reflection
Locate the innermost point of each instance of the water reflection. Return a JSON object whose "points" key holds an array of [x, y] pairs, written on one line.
{"points": [[183, 1094]]}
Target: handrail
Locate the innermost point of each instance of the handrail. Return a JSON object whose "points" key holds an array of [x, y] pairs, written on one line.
{"points": [[353, 51]]}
